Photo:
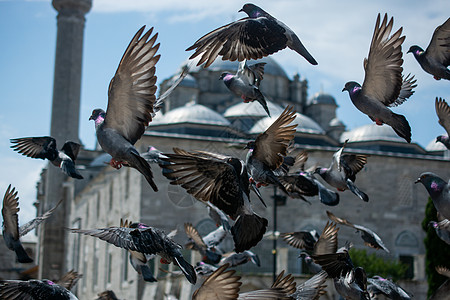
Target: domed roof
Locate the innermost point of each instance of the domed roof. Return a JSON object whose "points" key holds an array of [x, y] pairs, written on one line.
{"points": [[252, 109], [192, 113], [188, 81], [304, 124], [336, 123], [433, 146], [322, 98], [271, 67], [371, 132]]}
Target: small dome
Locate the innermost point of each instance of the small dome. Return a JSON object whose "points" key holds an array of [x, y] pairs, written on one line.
{"points": [[100, 160], [322, 98], [192, 113], [435, 146], [371, 132], [336, 123], [304, 124], [252, 109], [188, 81]]}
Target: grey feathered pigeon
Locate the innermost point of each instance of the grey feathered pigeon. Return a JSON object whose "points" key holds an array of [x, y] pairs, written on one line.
{"points": [[312, 267], [312, 289], [383, 84], [245, 84], [369, 237], [253, 37], [444, 289], [223, 181], [34, 289], [443, 113], [439, 191], [152, 155], [11, 230], [436, 59], [206, 245], [235, 259], [218, 216], [379, 285], [266, 152], [44, 147], [304, 240], [442, 229], [141, 238], [342, 171]]}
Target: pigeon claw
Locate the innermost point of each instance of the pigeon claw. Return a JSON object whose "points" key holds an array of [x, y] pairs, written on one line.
{"points": [[260, 184], [116, 164], [164, 261], [437, 78], [378, 122], [251, 180]]}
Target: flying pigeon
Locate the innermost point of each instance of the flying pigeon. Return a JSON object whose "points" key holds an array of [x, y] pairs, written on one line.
{"points": [[11, 230], [152, 155], [369, 237], [44, 147], [253, 37], [223, 181], [379, 285], [439, 192], [245, 84], [218, 216], [141, 238], [69, 279], [266, 152], [312, 267], [342, 171], [383, 84], [436, 59], [443, 113], [131, 104], [444, 289], [235, 259], [304, 240], [442, 229], [107, 295], [206, 245], [311, 289], [34, 289]]}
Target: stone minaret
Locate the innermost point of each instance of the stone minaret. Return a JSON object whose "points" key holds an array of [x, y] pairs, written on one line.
{"points": [[64, 126]]}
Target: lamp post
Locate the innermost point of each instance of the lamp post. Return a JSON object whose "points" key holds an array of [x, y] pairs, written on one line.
{"points": [[278, 200]]}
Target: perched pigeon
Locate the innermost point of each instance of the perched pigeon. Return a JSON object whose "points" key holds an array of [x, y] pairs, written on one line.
{"points": [[342, 171], [44, 147], [141, 238], [131, 104], [34, 289], [69, 279], [311, 289], [443, 113], [235, 259], [223, 181], [253, 37], [383, 84], [379, 285], [266, 152], [442, 229], [245, 84], [206, 245], [436, 59], [439, 191], [11, 230], [107, 295], [369, 237], [444, 289]]}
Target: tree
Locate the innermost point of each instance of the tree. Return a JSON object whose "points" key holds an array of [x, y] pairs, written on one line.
{"points": [[437, 251]]}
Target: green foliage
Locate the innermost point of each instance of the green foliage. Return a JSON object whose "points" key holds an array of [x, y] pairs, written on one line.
{"points": [[437, 251], [376, 265]]}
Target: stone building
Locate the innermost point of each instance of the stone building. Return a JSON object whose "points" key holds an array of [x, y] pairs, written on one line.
{"points": [[202, 114]]}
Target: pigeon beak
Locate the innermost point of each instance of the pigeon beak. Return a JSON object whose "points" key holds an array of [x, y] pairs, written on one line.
{"points": [[240, 10], [344, 89], [91, 117], [418, 180]]}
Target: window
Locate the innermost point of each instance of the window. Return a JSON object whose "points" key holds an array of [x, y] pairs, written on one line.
{"points": [[95, 270], [76, 245]]}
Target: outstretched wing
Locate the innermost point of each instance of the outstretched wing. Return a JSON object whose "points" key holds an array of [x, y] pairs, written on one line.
{"points": [[25, 228], [443, 113], [9, 212], [219, 285], [439, 47], [118, 236], [43, 147]]}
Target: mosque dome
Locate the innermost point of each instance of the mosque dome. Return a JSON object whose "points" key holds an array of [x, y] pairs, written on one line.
{"points": [[322, 98], [304, 124], [188, 81], [371, 132], [252, 109], [433, 146], [336, 123], [192, 113]]}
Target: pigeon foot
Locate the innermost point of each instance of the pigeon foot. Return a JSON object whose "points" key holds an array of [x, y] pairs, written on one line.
{"points": [[164, 261], [260, 184], [341, 190], [116, 164], [378, 122], [437, 78], [251, 180]]}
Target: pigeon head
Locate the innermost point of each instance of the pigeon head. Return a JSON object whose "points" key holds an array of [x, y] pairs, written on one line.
{"points": [[321, 171], [433, 183], [138, 225], [433, 224], [226, 76], [98, 115], [442, 139], [252, 10], [415, 50], [352, 87]]}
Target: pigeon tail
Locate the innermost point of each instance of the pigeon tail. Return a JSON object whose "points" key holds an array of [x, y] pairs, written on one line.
{"points": [[248, 231], [147, 274], [144, 168], [186, 268], [298, 47], [212, 256], [22, 255], [328, 197], [400, 126], [68, 167], [352, 187], [260, 98]]}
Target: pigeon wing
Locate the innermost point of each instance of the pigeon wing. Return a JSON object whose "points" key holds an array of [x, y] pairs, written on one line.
{"points": [[327, 242], [443, 113], [439, 47], [313, 288], [383, 67], [193, 234], [353, 163], [69, 279], [299, 240], [43, 147], [443, 271], [71, 149], [25, 228], [24, 290], [131, 93], [118, 236], [220, 284], [406, 90], [338, 220], [9, 212]]}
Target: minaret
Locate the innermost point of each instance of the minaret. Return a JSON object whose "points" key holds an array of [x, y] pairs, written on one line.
{"points": [[64, 126]]}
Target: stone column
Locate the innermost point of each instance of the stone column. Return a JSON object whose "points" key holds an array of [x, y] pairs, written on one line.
{"points": [[64, 126]]}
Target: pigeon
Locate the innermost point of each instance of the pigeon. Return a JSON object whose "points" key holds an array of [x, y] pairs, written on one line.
{"points": [[383, 84], [131, 104], [442, 229], [253, 37], [206, 245], [369, 237], [152, 155], [218, 216], [245, 84], [236, 259], [443, 113], [436, 59], [69, 279], [44, 147], [107, 295], [311, 289], [439, 192], [379, 285], [204, 269], [266, 152], [312, 267], [301, 239], [34, 289], [342, 171], [141, 238], [444, 289], [223, 181], [11, 230]]}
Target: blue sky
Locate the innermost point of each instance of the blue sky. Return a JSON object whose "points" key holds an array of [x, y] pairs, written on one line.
{"points": [[336, 33]]}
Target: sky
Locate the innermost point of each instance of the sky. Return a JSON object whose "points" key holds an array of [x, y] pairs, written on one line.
{"points": [[336, 33]]}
